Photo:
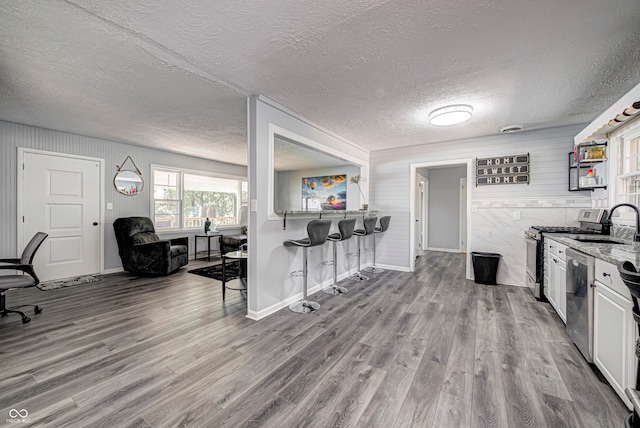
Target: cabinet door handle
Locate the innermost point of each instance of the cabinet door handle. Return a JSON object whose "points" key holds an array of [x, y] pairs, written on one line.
{"points": [[560, 251], [605, 274]]}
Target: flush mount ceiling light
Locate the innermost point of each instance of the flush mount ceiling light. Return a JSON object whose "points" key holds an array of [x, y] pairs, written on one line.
{"points": [[450, 115]]}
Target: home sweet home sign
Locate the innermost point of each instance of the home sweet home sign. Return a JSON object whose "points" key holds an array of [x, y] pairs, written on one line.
{"points": [[502, 170]]}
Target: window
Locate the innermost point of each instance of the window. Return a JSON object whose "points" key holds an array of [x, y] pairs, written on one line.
{"points": [[628, 186], [185, 199]]}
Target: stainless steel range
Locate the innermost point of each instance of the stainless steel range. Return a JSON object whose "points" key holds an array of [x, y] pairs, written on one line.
{"points": [[592, 221]]}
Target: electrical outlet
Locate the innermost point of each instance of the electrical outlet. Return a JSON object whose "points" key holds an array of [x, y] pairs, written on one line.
{"points": [[109, 205]]}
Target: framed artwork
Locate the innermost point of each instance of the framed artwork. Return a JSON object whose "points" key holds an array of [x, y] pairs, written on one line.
{"points": [[324, 193]]}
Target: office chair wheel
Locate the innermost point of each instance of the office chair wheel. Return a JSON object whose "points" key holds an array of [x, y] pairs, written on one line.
{"points": [[25, 319], [37, 309]]}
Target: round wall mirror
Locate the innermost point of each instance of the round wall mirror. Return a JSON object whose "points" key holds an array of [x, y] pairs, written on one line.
{"points": [[128, 183]]}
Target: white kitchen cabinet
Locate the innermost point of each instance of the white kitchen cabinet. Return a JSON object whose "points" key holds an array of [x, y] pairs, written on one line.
{"points": [[549, 278], [555, 276], [561, 289], [614, 330]]}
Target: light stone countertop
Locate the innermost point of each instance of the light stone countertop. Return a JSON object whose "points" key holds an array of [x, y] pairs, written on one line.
{"points": [[612, 253]]}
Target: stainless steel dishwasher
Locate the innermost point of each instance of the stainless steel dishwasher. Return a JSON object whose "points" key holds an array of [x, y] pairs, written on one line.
{"points": [[580, 282]]}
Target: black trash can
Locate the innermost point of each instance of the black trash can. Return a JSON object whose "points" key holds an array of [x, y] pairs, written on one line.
{"points": [[485, 267]]}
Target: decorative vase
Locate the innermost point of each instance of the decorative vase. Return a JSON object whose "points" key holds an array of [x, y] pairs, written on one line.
{"points": [[207, 226]]}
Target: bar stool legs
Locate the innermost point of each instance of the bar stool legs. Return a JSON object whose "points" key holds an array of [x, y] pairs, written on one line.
{"points": [[335, 289], [317, 231], [304, 306], [369, 226], [384, 225], [358, 277], [373, 269]]}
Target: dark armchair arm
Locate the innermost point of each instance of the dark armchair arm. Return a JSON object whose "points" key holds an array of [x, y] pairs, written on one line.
{"points": [[15, 261], [150, 247], [181, 241], [149, 257]]}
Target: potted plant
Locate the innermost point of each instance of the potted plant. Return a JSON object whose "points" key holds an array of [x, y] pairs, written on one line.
{"points": [[355, 179]]}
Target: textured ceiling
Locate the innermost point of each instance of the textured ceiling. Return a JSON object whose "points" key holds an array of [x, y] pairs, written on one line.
{"points": [[175, 74]]}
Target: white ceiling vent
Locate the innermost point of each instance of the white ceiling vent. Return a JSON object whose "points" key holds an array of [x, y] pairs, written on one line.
{"points": [[509, 129]]}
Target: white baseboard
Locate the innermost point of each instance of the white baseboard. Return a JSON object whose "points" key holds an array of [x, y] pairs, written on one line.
{"points": [[445, 250], [112, 270], [393, 267]]}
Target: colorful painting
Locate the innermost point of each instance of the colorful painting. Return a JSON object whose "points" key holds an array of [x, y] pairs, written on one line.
{"points": [[326, 193]]}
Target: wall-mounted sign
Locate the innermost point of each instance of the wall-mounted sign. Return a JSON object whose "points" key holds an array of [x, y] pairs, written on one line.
{"points": [[502, 170]]}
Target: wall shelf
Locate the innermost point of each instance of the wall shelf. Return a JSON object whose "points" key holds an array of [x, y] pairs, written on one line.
{"points": [[588, 166]]}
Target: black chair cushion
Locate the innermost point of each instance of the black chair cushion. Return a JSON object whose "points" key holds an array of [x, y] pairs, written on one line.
{"points": [[144, 238], [15, 281], [176, 250], [318, 231]]}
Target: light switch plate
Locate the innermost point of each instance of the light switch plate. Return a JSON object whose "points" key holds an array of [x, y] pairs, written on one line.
{"points": [[517, 215], [254, 205]]}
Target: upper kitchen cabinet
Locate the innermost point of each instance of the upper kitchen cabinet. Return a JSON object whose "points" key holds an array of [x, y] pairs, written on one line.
{"points": [[588, 166]]}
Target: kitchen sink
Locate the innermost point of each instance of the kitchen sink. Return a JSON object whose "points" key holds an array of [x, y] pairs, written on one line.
{"points": [[601, 240]]}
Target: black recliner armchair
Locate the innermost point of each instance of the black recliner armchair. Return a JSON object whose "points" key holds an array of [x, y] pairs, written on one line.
{"points": [[143, 253]]}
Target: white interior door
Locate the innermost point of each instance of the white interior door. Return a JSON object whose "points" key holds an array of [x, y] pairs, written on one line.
{"points": [[61, 196], [424, 229], [463, 215]]}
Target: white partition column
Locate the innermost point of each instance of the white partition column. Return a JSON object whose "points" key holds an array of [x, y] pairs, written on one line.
{"points": [[270, 283]]}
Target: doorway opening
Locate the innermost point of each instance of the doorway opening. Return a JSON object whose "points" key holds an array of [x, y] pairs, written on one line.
{"points": [[440, 208]]}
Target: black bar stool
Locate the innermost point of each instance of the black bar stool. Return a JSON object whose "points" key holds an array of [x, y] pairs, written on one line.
{"points": [[384, 225], [631, 278], [369, 229], [345, 227], [317, 231]]}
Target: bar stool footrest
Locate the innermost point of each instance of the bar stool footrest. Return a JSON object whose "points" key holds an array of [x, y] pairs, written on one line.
{"points": [[373, 269], [334, 290], [358, 277], [304, 307]]}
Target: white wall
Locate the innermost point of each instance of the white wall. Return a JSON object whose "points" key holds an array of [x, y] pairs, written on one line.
{"points": [[493, 226], [270, 284], [444, 207], [13, 135]]}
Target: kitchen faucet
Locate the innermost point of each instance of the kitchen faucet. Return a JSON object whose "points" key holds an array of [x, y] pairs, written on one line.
{"points": [[636, 236]]}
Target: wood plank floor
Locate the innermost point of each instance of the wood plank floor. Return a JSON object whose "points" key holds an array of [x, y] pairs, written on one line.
{"points": [[415, 349]]}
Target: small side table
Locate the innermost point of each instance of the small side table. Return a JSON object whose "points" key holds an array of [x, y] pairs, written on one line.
{"points": [[239, 284], [208, 238]]}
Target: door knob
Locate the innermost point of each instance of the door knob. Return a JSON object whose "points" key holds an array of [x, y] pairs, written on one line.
{"points": [[95, 223]]}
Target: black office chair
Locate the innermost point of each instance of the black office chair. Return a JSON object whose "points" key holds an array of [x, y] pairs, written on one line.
{"points": [[10, 282]]}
